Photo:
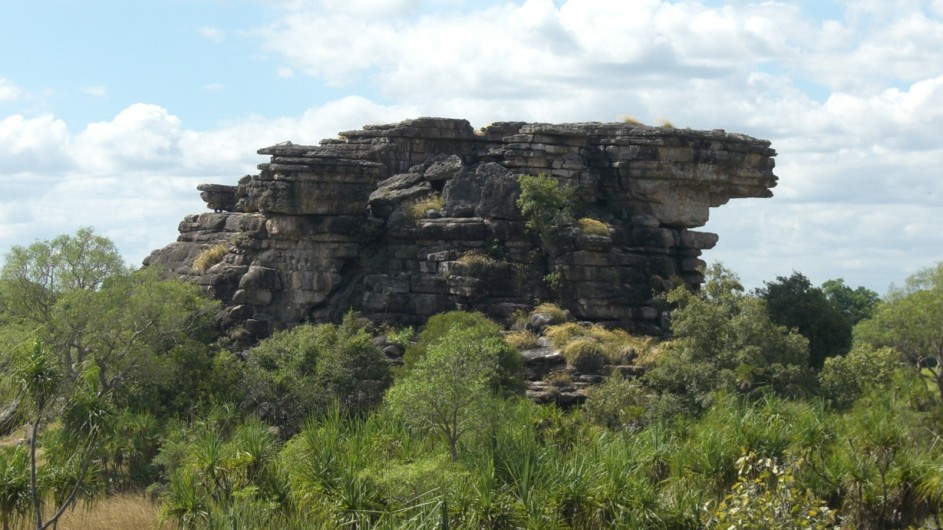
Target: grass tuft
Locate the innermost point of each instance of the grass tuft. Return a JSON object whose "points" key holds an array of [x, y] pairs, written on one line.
{"points": [[210, 256], [418, 208], [522, 340], [593, 227], [556, 312]]}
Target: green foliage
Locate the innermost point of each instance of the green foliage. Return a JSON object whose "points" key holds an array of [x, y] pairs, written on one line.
{"points": [[210, 256], [909, 321], [35, 277], [476, 263], [844, 379], [303, 371], [618, 403], [401, 337], [793, 302], [508, 374], [767, 495], [15, 499], [856, 304], [724, 339], [126, 326], [450, 389], [545, 204], [219, 472]]}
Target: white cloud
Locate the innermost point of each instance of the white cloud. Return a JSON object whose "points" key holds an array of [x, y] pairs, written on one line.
{"points": [[9, 91], [141, 137], [212, 34], [284, 72], [33, 144], [96, 90]]}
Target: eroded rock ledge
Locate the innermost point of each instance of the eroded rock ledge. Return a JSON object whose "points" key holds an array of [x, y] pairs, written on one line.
{"points": [[324, 229]]}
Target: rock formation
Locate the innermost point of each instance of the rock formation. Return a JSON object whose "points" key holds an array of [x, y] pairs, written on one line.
{"points": [[406, 220]]}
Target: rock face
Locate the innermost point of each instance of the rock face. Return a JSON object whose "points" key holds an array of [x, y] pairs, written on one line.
{"points": [[406, 220]]}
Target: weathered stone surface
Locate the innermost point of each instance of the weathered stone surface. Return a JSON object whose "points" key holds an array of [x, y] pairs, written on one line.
{"points": [[323, 229]]}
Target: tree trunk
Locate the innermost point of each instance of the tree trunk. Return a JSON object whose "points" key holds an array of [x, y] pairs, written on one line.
{"points": [[33, 490]]}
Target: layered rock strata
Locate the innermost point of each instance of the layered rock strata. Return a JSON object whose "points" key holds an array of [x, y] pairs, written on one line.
{"points": [[406, 220]]}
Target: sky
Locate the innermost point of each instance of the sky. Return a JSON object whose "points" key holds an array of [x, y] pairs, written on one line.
{"points": [[112, 112]]}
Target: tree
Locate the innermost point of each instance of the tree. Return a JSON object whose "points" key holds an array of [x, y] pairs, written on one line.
{"points": [[856, 304], [724, 339], [84, 419], [910, 320], [509, 374], [125, 325], [793, 302], [449, 391], [34, 277]]}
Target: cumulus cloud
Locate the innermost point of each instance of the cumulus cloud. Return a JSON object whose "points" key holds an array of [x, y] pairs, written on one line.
{"points": [[33, 144], [141, 136]]}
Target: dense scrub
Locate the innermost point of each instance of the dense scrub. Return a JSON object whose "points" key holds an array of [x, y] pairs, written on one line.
{"points": [[127, 388]]}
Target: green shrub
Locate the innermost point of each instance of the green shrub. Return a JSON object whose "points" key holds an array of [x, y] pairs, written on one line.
{"points": [[617, 404], [210, 256], [843, 379], [767, 495], [302, 371], [545, 203], [593, 227]]}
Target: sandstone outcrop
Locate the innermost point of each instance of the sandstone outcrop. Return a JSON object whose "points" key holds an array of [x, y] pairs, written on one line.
{"points": [[406, 220]]}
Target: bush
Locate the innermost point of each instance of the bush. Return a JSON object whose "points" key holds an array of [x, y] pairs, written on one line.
{"points": [[545, 203], [768, 496], [844, 379], [617, 404], [302, 371], [210, 256]]}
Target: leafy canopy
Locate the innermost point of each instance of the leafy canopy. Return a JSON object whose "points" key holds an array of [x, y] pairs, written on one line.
{"points": [[793, 302]]}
